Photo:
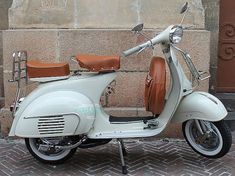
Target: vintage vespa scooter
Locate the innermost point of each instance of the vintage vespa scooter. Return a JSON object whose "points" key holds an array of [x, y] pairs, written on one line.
{"points": [[64, 113]]}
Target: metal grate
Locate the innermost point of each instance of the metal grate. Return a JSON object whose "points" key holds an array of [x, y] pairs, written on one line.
{"points": [[51, 125]]}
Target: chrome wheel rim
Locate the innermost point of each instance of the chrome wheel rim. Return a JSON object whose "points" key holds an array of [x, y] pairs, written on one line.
{"points": [[212, 145], [49, 156]]}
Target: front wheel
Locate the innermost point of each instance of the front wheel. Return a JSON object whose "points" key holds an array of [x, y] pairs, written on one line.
{"points": [[51, 155], [210, 139]]}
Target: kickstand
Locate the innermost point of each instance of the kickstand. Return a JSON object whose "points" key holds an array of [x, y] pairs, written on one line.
{"points": [[122, 150]]}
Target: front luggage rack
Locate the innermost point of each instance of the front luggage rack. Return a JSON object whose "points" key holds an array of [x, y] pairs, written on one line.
{"points": [[196, 74], [19, 72]]}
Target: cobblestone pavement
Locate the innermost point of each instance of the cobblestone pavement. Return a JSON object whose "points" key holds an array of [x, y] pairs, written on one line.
{"points": [[158, 157]]}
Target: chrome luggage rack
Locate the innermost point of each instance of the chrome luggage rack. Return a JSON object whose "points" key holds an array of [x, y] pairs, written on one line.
{"points": [[196, 74], [19, 72]]}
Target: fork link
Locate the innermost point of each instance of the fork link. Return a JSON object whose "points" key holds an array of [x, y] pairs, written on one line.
{"points": [[120, 147], [198, 125]]}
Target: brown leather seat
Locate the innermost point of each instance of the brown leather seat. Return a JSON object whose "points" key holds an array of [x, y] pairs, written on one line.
{"points": [[99, 63], [37, 69], [155, 86]]}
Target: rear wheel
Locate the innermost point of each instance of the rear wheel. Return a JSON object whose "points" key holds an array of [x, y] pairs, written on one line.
{"points": [[51, 155], [213, 140]]}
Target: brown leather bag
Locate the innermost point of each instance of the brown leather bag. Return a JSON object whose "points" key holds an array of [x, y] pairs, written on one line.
{"points": [[155, 86]]}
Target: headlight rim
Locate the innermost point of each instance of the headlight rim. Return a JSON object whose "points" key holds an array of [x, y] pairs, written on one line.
{"points": [[176, 31]]}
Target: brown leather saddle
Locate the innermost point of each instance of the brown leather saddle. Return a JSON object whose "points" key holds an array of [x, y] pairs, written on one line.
{"points": [[99, 63], [37, 69]]}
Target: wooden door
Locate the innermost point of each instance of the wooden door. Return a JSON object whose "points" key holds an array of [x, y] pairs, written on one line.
{"points": [[226, 56]]}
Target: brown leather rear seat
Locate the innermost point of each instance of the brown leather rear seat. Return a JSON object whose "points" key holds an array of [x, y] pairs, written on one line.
{"points": [[99, 63], [37, 69]]}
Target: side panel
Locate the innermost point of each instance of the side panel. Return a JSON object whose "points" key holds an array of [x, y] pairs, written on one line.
{"points": [[200, 105], [58, 113], [74, 97]]}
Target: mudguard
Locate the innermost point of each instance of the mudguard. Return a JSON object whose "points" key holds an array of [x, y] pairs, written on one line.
{"points": [[75, 114], [200, 105]]}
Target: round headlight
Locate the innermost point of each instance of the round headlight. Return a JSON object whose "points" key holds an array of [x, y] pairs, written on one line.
{"points": [[176, 34]]}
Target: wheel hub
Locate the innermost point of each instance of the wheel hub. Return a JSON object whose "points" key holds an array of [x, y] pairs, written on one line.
{"points": [[48, 149], [203, 138], [208, 139]]}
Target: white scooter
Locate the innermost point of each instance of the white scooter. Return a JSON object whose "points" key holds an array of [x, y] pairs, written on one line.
{"points": [[65, 112]]}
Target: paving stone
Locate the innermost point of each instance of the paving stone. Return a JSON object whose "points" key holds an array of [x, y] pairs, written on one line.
{"points": [[145, 157]]}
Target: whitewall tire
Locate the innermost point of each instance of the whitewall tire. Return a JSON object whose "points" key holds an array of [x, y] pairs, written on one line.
{"points": [[56, 157], [215, 146]]}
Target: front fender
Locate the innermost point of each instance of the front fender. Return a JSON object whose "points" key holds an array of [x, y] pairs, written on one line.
{"points": [[200, 105], [59, 113]]}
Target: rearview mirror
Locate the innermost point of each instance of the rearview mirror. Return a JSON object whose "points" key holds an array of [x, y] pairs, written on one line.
{"points": [[184, 8], [138, 28]]}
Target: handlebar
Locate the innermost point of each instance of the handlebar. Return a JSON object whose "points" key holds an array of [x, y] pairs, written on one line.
{"points": [[131, 51], [137, 48], [162, 37]]}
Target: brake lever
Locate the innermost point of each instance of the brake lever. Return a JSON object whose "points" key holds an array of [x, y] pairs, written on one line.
{"points": [[150, 46], [141, 50]]}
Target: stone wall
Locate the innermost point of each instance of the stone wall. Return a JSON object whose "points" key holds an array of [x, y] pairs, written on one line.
{"points": [[1, 66], [60, 45], [212, 25], [101, 28], [102, 13], [4, 5]]}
